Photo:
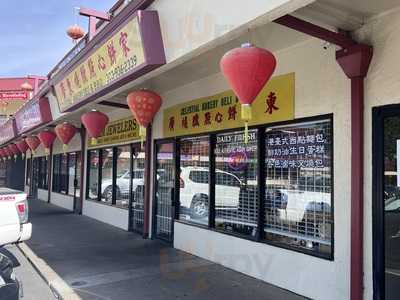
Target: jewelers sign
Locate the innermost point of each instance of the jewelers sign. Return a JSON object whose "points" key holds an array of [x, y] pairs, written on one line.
{"points": [[130, 51], [116, 132], [222, 111]]}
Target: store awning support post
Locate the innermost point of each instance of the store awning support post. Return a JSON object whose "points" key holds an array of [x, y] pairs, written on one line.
{"points": [[354, 59]]}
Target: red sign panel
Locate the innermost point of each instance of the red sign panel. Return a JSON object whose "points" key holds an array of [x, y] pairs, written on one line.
{"points": [[14, 95], [33, 114]]}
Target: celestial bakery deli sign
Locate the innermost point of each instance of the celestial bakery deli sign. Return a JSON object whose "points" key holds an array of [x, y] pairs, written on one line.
{"points": [[7, 131], [116, 132], [130, 52], [274, 103]]}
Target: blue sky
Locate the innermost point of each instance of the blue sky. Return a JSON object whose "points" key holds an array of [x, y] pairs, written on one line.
{"points": [[33, 38]]}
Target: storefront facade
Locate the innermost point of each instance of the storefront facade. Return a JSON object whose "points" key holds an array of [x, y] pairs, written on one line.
{"points": [[286, 207]]}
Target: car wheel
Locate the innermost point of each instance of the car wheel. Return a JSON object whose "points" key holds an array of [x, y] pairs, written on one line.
{"points": [[108, 194], [199, 207]]}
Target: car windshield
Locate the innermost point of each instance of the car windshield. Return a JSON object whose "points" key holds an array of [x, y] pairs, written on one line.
{"points": [[392, 204]]}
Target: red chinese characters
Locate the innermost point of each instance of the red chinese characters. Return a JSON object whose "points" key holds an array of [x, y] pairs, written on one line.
{"points": [[123, 42], [111, 53], [270, 103]]}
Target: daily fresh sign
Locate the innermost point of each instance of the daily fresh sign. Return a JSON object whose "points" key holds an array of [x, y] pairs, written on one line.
{"points": [[118, 132], [129, 50], [222, 111]]}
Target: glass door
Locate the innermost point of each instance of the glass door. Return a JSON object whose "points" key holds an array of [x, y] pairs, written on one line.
{"points": [[35, 178], [164, 186], [386, 202]]}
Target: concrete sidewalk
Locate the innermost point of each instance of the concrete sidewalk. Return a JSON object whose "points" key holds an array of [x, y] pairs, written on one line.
{"points": [[100, 261]]}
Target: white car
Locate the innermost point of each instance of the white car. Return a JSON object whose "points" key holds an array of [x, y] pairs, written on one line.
{"points": [[14, 225], [122, 184], [194, 190]]}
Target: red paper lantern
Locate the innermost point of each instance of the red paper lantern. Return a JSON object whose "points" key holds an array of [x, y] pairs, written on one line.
{"points": [[47, 138], [144, 105], [95, 122], [247, 70], [2, 154], [7, 153], [26, 86], [65, 132], [33, 142], [75, 32], [23, 147]]}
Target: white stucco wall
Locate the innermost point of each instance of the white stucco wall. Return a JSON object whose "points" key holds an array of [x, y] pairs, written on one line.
{"points": [[381, 88], [42, 194], [105, 213], [321, 88]]}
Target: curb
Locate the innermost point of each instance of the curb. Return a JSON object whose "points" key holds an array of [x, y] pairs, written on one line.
{"points": [[58, 286]]}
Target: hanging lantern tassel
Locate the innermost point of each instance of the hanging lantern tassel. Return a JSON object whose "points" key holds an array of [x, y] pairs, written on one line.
{"points": [[47, 152], [65, 148], [22, 155], [15, 157], [94, 141], [246, 116], [142, 134]]}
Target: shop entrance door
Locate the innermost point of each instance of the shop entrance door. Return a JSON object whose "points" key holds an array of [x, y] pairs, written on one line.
{"points": [[75, 165], [386, 202], [164, 187], [136, 215]]}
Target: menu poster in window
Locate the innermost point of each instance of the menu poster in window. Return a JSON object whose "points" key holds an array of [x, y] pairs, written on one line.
{"points": [[297, 148]]}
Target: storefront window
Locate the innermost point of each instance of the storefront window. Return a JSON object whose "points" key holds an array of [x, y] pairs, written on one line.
{"points": [[64, 174], [56, 173], [123, 176], [298, 208], [194, 180], [236, 207], [107, 175], [43, 178], [93, 172], [71, 172], [28, 171]]}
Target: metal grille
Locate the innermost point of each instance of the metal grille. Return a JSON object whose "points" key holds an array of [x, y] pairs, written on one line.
{"points": [[123, 176], [194, 180], [298, 208], [93, 174], [164, 188], [236, 183], [137, 213]]}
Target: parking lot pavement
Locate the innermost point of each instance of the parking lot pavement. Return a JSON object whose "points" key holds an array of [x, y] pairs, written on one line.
{"points": [[33, 286], [100, 261]]}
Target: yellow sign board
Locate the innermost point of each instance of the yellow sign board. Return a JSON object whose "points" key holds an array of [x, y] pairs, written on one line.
{"points": [[222, 111], [117, 132], [113, 59]]}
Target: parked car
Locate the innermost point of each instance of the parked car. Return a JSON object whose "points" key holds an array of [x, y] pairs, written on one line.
{"points": [[14, 225], [9, 285], [122, 188], [194, 190]]}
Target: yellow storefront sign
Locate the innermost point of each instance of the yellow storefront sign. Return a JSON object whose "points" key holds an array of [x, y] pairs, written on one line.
{"points": [[222, 111], [117, 132], [113, 59]]}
